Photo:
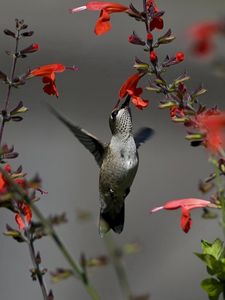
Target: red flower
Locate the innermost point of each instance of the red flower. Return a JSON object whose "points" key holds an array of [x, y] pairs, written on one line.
{"points": [[211, 124], [186, 205], [130, 88], [157, 21], [103, 24], [202, 35], [26, 212], [3, 182], [48, 74]]}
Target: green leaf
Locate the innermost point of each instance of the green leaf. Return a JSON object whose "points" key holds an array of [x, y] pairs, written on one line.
{"points": [[214, 266], [216, 249], [212, 287]]}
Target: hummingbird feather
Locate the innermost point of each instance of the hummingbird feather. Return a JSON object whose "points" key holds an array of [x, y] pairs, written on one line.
{"points": [[89, 141]]}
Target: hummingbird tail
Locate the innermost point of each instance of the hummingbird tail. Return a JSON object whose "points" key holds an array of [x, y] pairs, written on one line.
{"points": [[111, 220]]}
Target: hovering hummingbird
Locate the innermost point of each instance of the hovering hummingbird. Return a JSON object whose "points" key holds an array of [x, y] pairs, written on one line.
{"points": [[118, 161]]}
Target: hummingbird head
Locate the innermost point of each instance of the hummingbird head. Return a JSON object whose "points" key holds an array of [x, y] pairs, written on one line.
{"points": [[120, 120]]}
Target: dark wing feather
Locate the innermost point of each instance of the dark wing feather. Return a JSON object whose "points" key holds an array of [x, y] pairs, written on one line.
{"points": [[143, 135], [87, 139]]}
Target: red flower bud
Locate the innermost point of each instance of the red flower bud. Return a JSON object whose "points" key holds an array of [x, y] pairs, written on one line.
{"points": [[32, 48], [149, 37], [153, 56], [179, 56]]}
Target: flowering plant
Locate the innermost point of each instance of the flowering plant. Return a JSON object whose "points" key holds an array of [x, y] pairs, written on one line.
{"points": [[204, 126]]}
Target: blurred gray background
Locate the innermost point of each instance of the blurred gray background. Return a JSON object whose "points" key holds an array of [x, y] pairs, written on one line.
{"points": [[169, 169]]}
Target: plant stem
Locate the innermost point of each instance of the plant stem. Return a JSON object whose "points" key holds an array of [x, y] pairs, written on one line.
{"points": [[77, 271], [37, 270], [12, 73], [146, 15], [116, 258]]}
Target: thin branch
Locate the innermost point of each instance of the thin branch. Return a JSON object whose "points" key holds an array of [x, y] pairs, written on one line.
{"points": [[146, 15], [36, 265], [12, 73], [118, 266]]}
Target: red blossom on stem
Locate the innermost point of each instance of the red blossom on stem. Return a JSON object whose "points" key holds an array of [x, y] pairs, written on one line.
{"points": [[186, 205], [130, 88], [47, 73], [23, 218], [211, 124], [202, 35], [157, 21], [3, 181], [103, 24]]}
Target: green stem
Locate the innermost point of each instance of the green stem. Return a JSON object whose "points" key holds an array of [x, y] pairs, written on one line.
{"points": [[116, 259], [77, 271]]}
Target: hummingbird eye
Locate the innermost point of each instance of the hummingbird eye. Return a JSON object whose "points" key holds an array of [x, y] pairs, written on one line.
{"points": [[114, 114]]}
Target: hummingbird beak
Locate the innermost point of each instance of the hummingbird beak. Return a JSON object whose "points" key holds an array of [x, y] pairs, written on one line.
{"points": [[126, 102]]}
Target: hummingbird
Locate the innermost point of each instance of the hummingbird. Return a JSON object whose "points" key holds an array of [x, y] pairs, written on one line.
{"points": [[118, 162]]}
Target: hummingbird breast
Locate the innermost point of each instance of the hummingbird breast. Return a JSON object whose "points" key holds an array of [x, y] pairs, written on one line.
{"points": [[118, 170]]}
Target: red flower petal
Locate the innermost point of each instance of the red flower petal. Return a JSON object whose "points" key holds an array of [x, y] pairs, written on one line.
{"points": [[157, 23], [129, 84], [185, 221], [212, 126], [139, 102], [103, 24], [111, 7], [202, 35], [26, 212], [47, 70], [19, 221], [189, 203], [2, 183]]}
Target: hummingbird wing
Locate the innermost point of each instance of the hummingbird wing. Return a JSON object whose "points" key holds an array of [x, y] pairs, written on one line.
{"points": [[143, 135], [89, 141]]}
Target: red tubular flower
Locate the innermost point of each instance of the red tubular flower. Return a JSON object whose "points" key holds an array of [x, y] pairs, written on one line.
{"points": [[157, 21], [103, 24], [212, 124], [202, 35], [186, 205], [24, 211], [130, 88], [47, 73]]}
